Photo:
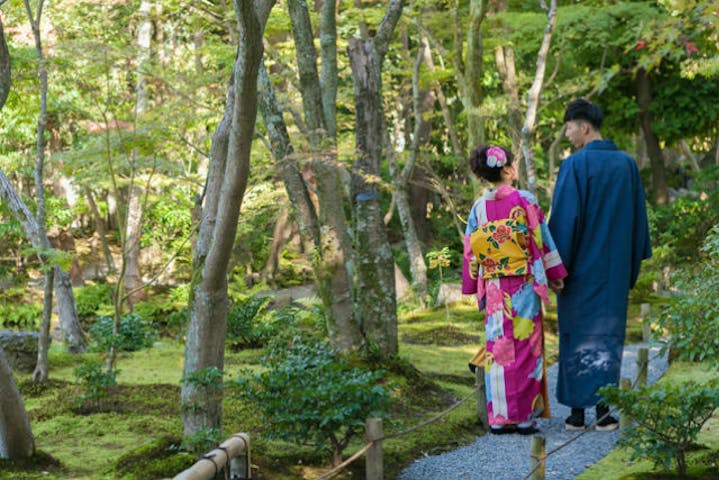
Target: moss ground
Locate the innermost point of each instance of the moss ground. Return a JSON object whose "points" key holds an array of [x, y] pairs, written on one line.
{"points": [[136, 432]]}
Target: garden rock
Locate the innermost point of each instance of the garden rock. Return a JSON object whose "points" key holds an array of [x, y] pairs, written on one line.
{"points": [[20, 349]]}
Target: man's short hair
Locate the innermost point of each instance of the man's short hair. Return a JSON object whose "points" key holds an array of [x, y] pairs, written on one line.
{"points": [[581, 109]]}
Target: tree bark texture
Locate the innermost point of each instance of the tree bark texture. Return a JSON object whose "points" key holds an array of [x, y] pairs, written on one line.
{"points": [[328, 54], [376, 305], [327, 231], [100, 229], [5, 71], [333, 262], [400, 178], [16, 439], [533, 96], [42, 368], [227, 179], [307, 64], [133, 235], [654, 150]]}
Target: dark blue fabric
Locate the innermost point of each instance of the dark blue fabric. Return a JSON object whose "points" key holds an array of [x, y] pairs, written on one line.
{"points": [[599, 224]]}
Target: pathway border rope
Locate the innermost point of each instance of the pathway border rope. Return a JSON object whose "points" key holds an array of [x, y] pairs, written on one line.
{"points": [[369, 444]]}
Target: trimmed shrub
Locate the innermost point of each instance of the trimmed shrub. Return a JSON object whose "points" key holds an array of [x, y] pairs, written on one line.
{"points": [[311, 394], [668, 419]]}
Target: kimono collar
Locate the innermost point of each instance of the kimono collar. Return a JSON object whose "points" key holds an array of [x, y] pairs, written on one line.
{"points": [[600, 145], [499, 193]]}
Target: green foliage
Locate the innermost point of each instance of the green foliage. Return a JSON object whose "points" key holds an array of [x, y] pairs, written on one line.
{"points": [[668, 418], [91, 297], [134, 334], [245, 328], [95, 382], [202, 440], [310, 393], [689, 322], [23, 316], [681, 226]]}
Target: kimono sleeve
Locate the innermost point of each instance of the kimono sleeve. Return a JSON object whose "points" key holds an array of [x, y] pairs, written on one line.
{"points": [[470, 265], [565, 216]]}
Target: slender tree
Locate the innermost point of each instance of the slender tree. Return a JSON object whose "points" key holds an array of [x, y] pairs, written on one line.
{"points": [[534, 94], [226, 182], [16, 439]]}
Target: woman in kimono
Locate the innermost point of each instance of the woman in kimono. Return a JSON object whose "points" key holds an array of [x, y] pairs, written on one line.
{"points": [[510, 262]]}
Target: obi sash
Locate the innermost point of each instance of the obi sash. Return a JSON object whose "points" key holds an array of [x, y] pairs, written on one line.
{"points": [[501, 245]]}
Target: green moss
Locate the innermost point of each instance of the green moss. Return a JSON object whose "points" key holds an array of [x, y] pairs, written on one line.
{"points": [[41, 464], [157, 459]]}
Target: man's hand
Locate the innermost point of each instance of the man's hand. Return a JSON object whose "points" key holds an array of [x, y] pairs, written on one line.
{"points": [[556, 285]]}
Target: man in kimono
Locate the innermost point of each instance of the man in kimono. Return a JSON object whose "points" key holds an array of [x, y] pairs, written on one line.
{"points": [[599, 224]]}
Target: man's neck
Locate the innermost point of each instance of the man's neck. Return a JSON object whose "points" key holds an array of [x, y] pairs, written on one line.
{"points": [[592, 136]]}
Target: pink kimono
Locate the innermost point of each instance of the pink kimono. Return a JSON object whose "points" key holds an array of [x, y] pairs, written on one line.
{"points": [[515, 257]]}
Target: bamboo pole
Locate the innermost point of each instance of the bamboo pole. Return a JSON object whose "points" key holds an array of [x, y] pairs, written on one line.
{"points": [[625, 420], [374, 458], [212, 463], [538, 457], [643, 366], [481, 397]]}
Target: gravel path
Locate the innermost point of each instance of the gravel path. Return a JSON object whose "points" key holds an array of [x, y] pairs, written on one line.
{"points": [[506, 457]]}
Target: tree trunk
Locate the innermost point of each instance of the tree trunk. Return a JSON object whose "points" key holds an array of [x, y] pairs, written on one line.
{"points": [[131, 257], [654, 150], [376, 304], [533, 96], [334, 259], [504, 57], [42, 368], [41, 372], [67, 312], [16, 440], [133, 226], [331, 263], [328, 53], [280, 235], [227, 179], [472, 96], [69, 322], [400, 178], [5, 77], [100, 229]]}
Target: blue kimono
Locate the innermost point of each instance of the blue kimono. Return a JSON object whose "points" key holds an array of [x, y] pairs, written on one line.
{"points": [[599, 224]]}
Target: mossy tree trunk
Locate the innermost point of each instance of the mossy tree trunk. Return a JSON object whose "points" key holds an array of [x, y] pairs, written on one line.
{"points": [[16, 440], [376, 306], [226, 183]]}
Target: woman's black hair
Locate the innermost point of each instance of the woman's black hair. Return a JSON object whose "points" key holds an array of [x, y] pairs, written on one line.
{"points": [[478, 163], [581, 109]]}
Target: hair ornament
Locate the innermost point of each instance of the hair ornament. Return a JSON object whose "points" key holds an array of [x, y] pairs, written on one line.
{"points": [[496, 157]]}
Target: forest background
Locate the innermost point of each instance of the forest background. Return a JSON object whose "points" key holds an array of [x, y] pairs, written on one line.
{"points": [[175, 169]]}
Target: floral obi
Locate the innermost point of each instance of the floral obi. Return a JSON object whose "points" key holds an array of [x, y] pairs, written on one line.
{"points": [[500, 246]]}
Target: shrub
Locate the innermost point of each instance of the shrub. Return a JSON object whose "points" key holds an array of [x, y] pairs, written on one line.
{"points": [[24, 316], [134, 334], [668, 418], [95, 381], [689, 322], [244, 327], [310, 393], [91, 297]]}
